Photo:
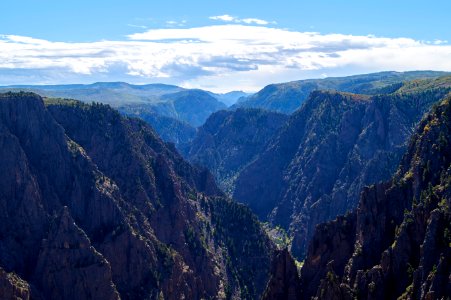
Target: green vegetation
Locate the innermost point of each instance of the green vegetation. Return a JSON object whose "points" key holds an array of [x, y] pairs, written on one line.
{"points": [[245, 242], [278, 235]]}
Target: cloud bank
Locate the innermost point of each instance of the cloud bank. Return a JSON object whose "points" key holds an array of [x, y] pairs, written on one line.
{"points": [[217, 57]]}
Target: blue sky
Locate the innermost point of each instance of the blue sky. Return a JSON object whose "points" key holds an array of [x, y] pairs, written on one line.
{"points": [[84, 20], [102, 40]]}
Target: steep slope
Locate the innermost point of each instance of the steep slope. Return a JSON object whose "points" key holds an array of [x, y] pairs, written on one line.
{"points": [[192, 106], [96, 205], [169, 129], [397, 244], [284, 282], [229, 140], [288, 97], [316, 166]]}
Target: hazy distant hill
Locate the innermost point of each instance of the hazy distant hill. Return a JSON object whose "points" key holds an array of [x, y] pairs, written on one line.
{"points": [[113, 93], [287, 97], [230, 98], [190, 106]]}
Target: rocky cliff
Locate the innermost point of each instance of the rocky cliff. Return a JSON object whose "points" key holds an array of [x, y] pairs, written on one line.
{"points": [[284, 282], [169, 129], [397, 243], [230, 140], [95, 205], [315, 167]]}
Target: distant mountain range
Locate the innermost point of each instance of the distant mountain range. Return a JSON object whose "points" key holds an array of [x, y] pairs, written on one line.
{"points": [[288, 97], [231, 98], [112, 93], [189, 106]]}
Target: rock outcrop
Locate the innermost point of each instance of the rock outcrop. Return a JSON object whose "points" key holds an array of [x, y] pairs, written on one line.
{"points": [[315, 167], [284, 283], [95, 205], [67, 257], [402, 229], [230, 140]]}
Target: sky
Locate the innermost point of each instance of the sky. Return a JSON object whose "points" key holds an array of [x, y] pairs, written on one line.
{"points": [[218, 45]]}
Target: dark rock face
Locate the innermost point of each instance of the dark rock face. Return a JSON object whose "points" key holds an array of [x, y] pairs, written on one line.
{"points": [[288, 97], [315, 167], [331, 246], [402, 231], [95, 205], [66, 249], [230, 140], [284, 282]]}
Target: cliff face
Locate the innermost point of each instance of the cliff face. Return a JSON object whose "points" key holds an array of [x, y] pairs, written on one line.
{"points": [[95, 205], [315, 167], [67, 248], [169, 129], [401, 229], [284, 281], [230, 140]]}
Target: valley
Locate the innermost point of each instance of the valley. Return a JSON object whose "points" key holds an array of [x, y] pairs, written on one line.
{"points": [[353, 185]]}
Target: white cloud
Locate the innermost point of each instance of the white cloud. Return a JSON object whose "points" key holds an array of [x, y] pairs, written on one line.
{"points": [[255, 21], [172, 23], [137, 26], [225, 18], [229, 18], [220, 57]]}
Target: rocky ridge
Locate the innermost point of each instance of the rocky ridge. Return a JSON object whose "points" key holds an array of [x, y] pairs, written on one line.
{"points": [[314, 168], [230, 140], [102, 207], [397, 244]]}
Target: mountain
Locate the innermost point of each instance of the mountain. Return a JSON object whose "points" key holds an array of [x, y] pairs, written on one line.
{"points": [[229, 140], [397, 243], [230, 98], [315, 167], [96, 206], [189, 106], [113, 93], [288, 97], [169, 129]]}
